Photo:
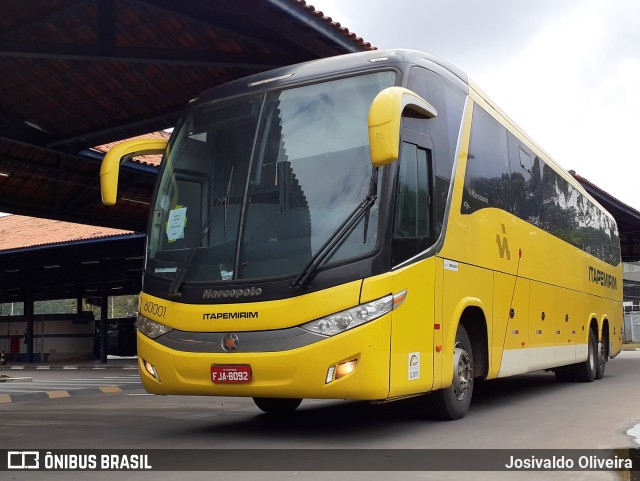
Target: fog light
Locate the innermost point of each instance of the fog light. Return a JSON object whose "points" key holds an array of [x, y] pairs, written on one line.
{"points": [[346, 368], [151, 370]]}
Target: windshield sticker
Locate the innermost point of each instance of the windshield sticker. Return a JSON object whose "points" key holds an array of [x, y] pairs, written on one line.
{"points": [[176, 223]]}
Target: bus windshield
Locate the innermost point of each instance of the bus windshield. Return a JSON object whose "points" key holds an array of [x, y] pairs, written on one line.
{"points": [[253, 186]]}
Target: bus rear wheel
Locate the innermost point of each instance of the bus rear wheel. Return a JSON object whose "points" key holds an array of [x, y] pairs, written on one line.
{"points": [[277, 406], [565, 374], [453, 402], [603, 356], [586, 371]]}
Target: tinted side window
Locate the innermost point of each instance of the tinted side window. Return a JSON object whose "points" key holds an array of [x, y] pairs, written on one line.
{"points": [[486, 181], [444, 129], [412, 225], [526, 182], [572, 217], [542, 197]]}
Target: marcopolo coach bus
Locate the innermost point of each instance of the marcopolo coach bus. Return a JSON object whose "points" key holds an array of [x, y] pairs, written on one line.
{"points": [[368, 226]]}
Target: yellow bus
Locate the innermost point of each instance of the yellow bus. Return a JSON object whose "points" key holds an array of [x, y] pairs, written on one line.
{"points": [[370, 227]]}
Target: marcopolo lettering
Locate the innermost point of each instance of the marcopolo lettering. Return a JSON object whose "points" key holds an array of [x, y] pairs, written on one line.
{"points": [[230, 315], [600, 277], [231, 293]]}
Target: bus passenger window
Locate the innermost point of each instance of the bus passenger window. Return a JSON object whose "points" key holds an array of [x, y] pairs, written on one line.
{"points": [[526, 183], [412, 226], [486, 181]]}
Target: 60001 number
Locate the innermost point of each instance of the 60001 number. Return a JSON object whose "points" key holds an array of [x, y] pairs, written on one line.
{"points": [[155, 309]]}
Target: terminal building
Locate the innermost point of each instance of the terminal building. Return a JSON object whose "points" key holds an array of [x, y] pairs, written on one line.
{"points": [[77, 75]]}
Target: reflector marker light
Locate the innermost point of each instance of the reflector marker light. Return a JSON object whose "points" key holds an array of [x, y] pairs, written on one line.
{"points": [[330, 372], [399, 298]]}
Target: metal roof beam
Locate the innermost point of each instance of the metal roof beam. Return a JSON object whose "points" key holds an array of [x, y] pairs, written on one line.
{"points": [[266, 16], [45, 14], [241, 61], [127, 129], [227, 20]]}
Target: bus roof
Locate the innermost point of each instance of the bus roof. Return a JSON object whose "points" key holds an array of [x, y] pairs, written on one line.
{"points": [[363, 61], [299, 73]]}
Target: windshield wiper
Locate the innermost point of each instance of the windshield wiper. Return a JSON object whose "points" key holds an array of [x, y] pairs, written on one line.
{"points": [[184, 264], [341, 232], [226, 202]]}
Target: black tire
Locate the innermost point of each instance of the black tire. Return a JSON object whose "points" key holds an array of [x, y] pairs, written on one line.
{"points": [[277, 406], [603, 357], [565, 374], [586, 371], [453, 402]]}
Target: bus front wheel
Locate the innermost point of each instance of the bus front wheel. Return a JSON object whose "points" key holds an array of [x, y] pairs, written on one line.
{"points": [[453, 402], [277, 406]]}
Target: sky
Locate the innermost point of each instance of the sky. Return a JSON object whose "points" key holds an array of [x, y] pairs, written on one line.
{"points": [[566, 71]]}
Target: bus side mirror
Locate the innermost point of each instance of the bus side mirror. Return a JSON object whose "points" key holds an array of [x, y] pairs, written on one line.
{"points": [[385, 115], [110, 167]]}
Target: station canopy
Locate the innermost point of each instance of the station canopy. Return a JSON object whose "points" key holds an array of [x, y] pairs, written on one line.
{"points": [[79, 74], [76, 74]]}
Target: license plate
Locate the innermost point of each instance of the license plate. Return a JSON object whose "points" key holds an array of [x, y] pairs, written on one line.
{"points": [[230, 373]]}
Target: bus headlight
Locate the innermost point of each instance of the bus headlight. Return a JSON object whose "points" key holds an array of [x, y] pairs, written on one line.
{"points": [[151, 328], [345, 320]]}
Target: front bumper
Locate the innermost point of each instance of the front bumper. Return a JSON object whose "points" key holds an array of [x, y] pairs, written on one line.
{"points": [[295, 373]]}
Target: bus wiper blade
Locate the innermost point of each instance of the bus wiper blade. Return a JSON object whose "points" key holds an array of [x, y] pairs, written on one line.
{"points": [[226, 202], [340, 233], [183, 266]]}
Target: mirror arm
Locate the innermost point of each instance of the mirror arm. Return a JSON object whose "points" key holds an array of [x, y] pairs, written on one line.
{"points": [[112, 160]]}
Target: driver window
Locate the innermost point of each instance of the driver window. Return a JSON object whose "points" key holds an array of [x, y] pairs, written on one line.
{"points": [[412, 225]]}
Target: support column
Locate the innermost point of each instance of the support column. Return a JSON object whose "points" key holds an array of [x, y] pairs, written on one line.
{"points": [[28, 315], [104, 312]]}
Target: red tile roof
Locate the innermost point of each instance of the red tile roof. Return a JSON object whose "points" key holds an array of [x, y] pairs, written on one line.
{"points": [[143, 159], [19, 232], [336, 25], [154, 160]]}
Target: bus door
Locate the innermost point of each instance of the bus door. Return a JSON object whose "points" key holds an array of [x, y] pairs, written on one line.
{"points": [[413, 232]]}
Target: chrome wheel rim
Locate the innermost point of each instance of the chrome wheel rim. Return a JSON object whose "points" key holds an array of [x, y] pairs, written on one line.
{"points": [[462, 372]]}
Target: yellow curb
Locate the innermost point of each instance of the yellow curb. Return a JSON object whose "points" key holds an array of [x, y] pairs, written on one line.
{"points": [[58, 394], [5, 398], [110, 389]]}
